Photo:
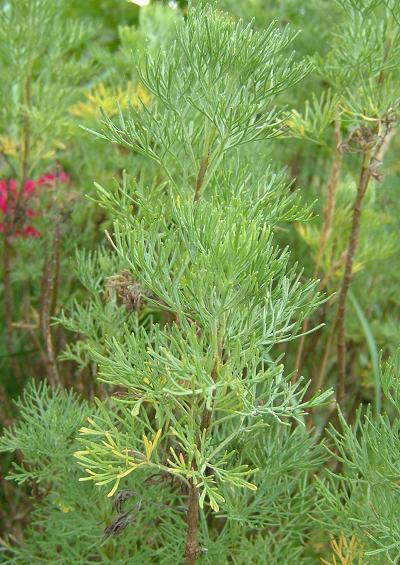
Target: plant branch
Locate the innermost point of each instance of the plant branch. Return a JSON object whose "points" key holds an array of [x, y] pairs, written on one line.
{"points": [[192, 517], [205, 161], [50, 276], [192, 549], [26, 145], [8, 294], [369, 160], [329, 213]]}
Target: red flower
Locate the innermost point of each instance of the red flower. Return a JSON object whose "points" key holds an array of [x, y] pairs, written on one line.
{"points": [[31, 213], [30, 231], [9, 198], [12, 184], [63, 177], [3, 196], [29, 187], [49, 179]]}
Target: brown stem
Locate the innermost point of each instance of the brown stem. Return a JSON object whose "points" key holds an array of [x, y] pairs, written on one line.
{"points": [[201, 175], [192, 517], [367, 168], [48, 300], [322, 371], [8, 301], [205, 161], [330, 206], [365, 176], [329, 212], [36, 341], [8, 305], [56, 266], [26, 145], [192, 548]]}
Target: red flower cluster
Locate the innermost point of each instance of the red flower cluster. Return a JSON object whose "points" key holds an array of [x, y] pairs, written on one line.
{"points": [[11, 199]]}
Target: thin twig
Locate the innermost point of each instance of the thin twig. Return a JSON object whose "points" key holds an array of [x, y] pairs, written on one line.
{"points": [[205, 161], [369, 158], [329, 213], [365, 176], [192, 516], [26, 145], [110, 239], [48, 300], [8, 304], [201, 175]]}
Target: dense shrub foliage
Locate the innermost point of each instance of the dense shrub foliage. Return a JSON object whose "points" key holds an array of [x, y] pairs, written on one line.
{"points": [[199, 237]]}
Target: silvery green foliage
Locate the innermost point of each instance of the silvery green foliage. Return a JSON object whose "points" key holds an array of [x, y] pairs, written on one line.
{"points": [[212, 91], [42, 70], [362, 63], [200, 393], [72, 516], [362, 500], [42, 429], [200, 246]]}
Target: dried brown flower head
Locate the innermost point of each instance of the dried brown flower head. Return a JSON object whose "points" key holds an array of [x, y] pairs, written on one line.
{"points": [[120, 498], [129, 292], [118, 525]]}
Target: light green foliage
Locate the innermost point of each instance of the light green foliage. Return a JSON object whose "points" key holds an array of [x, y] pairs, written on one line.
{"points": [[117, 82], [41, 72], [72, 515], [355, 108], [200, 246], [363, 62], [46, 430], [363, 499], [208, 258], [197, 115]]}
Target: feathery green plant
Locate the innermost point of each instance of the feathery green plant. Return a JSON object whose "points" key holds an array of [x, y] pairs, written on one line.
{"points": [[200, 248], [43, 65]]}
